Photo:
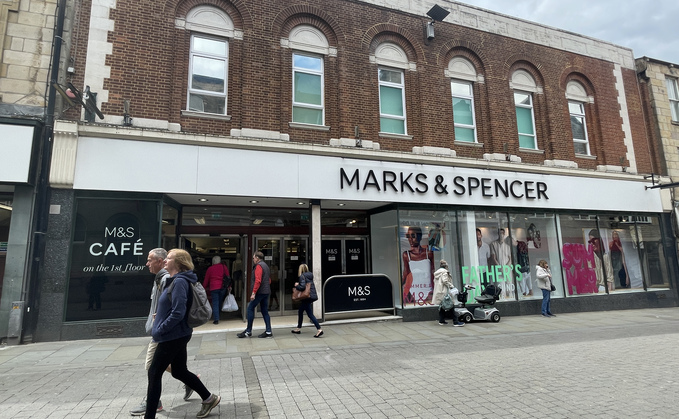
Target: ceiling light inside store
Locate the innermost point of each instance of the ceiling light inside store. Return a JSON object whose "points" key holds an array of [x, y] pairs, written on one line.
{"points": [[341, 204], [257, 222], [300, 203], [199, 220], [254, 201], [5, 207], [203, 199]]}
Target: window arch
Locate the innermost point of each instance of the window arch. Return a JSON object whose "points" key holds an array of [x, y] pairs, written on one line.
{"points": [[210, 29]]}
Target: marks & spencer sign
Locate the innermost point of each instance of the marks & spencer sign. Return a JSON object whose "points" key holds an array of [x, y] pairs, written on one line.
{"points": [[389, 181]]}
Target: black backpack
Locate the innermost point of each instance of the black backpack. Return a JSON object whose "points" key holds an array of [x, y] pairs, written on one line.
{"points": [[199, 307]]}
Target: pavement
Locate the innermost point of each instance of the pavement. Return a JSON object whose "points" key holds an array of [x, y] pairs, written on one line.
{"points": [[609, 364]]}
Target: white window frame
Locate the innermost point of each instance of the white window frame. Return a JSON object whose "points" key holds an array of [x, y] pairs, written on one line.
{"points": [[580, 115], [400, 86], [471, 99], [224, 58], [673, 96], [307, 71], [532, 118]]}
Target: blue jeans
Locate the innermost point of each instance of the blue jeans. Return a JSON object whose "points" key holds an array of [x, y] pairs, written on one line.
{"points": [[217, 296], [306, 306], [263, 301], [546, 298]]}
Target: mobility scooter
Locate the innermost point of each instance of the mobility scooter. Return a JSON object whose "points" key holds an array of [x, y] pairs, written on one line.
{"points": [[485, 310]]}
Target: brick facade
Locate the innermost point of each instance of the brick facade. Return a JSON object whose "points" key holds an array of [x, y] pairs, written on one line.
{"points": [[149, 66]]}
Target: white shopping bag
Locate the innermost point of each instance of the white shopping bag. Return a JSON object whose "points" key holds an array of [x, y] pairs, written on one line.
{"points": [[230, 303]]}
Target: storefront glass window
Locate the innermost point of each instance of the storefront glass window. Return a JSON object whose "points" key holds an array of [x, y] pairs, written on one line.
{"points": [[384, 238], [586, 260], [648, 238], [618, 234], [534, 238], [108, 274], [426, 237], [486, 253]]}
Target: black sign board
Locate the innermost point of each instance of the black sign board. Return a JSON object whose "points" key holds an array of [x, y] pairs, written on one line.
{"points": [[346, 293], [354, 251], [331, 259]]}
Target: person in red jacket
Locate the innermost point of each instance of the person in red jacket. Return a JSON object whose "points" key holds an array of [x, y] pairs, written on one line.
{"points": [[261, 289], [214, 279]]}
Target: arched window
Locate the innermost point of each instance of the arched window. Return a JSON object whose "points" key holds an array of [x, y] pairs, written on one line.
{"points": [[308, 74], [392, 61], [209, 59], [524, 87], [577, 98], [463, 75]]}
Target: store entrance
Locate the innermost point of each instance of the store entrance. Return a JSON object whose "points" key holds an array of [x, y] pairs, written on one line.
{"points": [[283, 255], [230, 249]]}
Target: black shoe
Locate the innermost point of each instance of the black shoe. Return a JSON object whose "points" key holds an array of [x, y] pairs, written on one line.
{"points": [[297, 331], [551, 315], [215, 322], [545, 315], [443, 322], [244, 334], [266, 335], [319, 334]]}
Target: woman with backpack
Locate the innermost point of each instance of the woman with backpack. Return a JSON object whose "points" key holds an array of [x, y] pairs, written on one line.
{"points": [[172, 332]]}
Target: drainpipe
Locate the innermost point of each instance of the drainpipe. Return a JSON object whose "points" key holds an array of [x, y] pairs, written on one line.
{"points": [[31, 293]]}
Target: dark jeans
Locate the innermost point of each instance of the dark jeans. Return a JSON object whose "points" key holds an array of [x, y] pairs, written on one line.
{"points": [[546, 298], [442, 315], [306, 305], [263, 301], [217, 297], [173, 353]]}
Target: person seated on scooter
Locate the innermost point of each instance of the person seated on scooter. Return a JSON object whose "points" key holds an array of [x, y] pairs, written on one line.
{"points": [[443, 283]]}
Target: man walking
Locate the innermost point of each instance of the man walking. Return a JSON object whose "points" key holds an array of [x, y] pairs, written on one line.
{"points": [[261, 289], [155, 262]]}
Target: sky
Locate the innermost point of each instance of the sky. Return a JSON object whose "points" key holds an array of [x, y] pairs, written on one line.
{"points": [[645, 26]]}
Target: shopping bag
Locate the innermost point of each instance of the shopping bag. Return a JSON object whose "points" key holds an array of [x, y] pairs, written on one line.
{"points": [[230, 303]]}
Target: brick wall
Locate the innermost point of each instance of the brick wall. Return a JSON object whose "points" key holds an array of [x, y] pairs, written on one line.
{"points": [[149, 66]]}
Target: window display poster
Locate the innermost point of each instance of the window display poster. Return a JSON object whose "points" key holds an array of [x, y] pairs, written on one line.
{"points": [[607, 258], [418, 241], [108, 273]]}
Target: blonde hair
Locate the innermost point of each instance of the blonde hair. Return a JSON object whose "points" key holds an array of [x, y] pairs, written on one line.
{"points": [[182, 259], [302, 268], [543, 263]]}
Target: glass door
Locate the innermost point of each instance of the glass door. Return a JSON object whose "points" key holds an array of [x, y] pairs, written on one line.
{"points": [[283, 255], [230, 249]]}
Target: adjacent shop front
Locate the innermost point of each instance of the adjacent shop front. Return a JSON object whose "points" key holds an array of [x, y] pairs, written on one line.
{"points": [[19, 142]]}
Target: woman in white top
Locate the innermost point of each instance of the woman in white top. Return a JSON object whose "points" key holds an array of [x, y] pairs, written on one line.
{"points": [[418, 267], [544, 276]]}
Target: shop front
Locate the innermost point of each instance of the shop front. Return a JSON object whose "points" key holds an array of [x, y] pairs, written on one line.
{"points": [[606, 237], [19, 142]]}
